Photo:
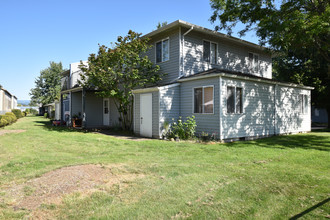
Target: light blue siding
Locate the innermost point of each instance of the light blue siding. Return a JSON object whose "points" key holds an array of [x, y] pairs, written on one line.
{"points": [[76, 103], [257, 118], [93, 110], [208, 123], [230, 56], [169, 104], [170, 67]]}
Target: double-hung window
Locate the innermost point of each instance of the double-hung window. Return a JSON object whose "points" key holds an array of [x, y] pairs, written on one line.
{"points": [[210, 52], [234, 100], [162, 50], [203, 99], [303, 101], [254, 62]]}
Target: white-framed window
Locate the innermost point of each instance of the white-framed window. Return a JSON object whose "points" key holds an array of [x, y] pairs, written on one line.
{"points": [[234, 100], [163, 50], [254, 62], [303, 104], [210, 53], [204, 100]]}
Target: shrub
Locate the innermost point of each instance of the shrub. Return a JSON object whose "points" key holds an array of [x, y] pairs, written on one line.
{"points": [[3, 122], [10, 117], [46, 115], [17, 113], [183, 130], [52, 114]]}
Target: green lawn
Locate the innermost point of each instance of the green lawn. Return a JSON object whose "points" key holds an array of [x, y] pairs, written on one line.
{"points": [[272, 178]]}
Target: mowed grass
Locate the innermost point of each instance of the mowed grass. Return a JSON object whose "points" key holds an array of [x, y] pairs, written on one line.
{"points": [[272, 178]]}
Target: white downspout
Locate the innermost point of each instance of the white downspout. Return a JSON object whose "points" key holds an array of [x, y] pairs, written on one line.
{"points": [[275, 112], [220, 108], [187, 32]]}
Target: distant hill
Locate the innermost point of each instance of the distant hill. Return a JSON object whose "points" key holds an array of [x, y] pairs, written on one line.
{"points": [[23, 102]]}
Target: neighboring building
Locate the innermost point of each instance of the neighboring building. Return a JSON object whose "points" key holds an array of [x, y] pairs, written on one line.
{"points": [[225, 82], [319, 115], [77, 102], [7, 101]]}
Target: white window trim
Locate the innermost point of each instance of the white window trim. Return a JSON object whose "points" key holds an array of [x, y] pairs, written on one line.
{"points": [[234, 113], [193, 100], [168, 38], [217, 51], [251, 67]]}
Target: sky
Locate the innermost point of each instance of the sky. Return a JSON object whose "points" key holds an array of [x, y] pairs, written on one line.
{"points": [[33, 33]]}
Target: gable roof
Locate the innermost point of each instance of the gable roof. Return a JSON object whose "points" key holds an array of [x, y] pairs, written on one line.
{"points": [[238, 75], [194, 27]]}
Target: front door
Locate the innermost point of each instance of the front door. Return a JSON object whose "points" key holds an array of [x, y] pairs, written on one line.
{"points": [[106, 112], [146, 115]]}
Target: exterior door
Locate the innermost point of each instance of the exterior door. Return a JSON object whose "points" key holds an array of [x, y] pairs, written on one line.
{"points": [[146, 115], [106, 112]]}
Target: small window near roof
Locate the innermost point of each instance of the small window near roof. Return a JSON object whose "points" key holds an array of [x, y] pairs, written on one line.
{"points": [[210, 52], [162, 51], [254, 62]]}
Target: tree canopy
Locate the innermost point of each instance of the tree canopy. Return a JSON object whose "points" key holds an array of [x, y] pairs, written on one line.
{"points": [[297, 31], [47, 85], [115, 71]]}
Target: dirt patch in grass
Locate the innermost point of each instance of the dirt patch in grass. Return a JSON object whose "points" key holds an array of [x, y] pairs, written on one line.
{"points": [[2, 132], [51, 187]]}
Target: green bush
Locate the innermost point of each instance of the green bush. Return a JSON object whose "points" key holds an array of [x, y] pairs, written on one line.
{"points": [[182, 130], [3, 122], [52, 114], [11, 118], [18, 113], [46, 115]]}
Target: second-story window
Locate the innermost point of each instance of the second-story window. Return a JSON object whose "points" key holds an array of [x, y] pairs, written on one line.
{"points": [[254, 62], [162, 51], [210, 52]]}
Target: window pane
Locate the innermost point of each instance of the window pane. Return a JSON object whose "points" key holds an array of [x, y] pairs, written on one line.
{"points": [[165, 50], [159, 52], [198, 100], [239, 108], [301, 103], [230, 99], [305, 104], [256, 62], [208, 100], [206, 51], [213, 53]]}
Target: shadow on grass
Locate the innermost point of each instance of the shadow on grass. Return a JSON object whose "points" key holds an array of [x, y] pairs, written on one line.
{"points": [[106, 131], [48, 126], [304, 141], [310, 209]]}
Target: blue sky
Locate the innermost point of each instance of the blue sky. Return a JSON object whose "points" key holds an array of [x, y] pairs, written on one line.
{"points": [[36, 32]]}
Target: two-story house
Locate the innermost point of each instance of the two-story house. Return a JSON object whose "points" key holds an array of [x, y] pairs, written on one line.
{"points": [[225, 82]]}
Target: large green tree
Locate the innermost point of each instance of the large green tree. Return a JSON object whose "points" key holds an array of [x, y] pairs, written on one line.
{"points": [[297, 31], [115, 71], [47, 85]]}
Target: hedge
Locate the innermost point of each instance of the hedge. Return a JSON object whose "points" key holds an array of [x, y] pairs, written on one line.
{"points": [[18, 113]]}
